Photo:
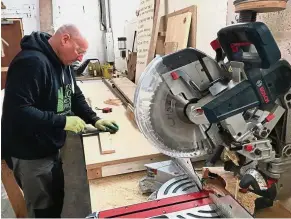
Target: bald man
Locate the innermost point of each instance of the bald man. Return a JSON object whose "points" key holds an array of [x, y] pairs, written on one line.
{"points": [[42, 101]]}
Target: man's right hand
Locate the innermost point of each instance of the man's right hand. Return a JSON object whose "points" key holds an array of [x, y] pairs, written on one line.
{"points": [[74, 124]]}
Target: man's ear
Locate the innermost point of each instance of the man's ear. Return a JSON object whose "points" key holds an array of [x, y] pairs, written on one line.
{"points": [[65, 39]]}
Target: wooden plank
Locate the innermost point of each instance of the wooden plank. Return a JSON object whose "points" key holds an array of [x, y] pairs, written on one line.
{"points": [[193, 29], [129, 143], [155, 30], [130, 115], [105, 142], [12, 34], [126, 87], [261, 6], [131, 66], [128, 167], [94, 173], [144, 35], [13, 191], [170, 47], [163, 28], [122, 168], [178, 28]]}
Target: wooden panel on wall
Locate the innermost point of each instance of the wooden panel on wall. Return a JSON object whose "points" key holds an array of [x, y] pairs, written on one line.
{"points": [[177, 33], [12, 34], [160, 48]]}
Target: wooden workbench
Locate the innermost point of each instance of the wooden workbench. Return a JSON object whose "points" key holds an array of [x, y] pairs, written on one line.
{"points": [[132, 149]]}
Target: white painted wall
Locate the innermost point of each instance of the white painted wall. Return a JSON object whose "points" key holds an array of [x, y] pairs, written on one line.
{"points": [[86, 15], [211, 16], [28, 10], [124, 22]]}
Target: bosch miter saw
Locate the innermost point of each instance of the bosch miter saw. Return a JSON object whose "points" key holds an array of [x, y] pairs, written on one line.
{"points": [[190, 105]]}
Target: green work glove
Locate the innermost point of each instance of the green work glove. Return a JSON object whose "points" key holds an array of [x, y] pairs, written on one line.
{"points": [[74, 124], [106, 125]]}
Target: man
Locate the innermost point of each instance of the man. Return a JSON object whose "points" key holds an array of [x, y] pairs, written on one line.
{"points": [[42, 101]]}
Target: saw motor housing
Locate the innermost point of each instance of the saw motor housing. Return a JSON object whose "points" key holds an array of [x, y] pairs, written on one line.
{"points": [[241, 104]]}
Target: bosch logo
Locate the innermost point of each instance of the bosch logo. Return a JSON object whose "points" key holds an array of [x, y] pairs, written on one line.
{"points": [[259, 83], [263, 91]]}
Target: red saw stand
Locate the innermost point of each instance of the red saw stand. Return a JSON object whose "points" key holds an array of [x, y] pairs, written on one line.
{"points": [[192, 205]]}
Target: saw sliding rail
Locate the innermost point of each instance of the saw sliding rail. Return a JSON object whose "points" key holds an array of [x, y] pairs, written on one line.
{"points": [[192, 205]]}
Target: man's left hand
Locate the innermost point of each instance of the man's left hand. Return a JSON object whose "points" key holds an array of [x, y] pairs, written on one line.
{"points": [[106, 125]]}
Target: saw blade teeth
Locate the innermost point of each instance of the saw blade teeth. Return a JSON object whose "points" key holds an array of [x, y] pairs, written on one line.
{"points": [[149, 106]]}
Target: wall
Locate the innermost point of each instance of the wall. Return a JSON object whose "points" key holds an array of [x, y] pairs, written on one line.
{"points": [[124, 22], [86, 16], [210, 18], [280, 25], [46, 16], [28, 10]]}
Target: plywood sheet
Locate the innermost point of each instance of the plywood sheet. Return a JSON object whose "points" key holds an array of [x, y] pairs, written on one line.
{"points": [[12, 34], [129, 144], [163, 27], [178, 28]]}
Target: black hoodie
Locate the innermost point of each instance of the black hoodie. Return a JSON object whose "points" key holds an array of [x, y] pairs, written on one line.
{"points": [[40, 92]]}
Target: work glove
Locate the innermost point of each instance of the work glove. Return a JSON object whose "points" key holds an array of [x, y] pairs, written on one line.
{"points": [[106, 125], [74, 124]]}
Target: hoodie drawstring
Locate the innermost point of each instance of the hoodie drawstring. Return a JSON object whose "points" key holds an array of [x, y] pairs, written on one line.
{"points": [[72, 81]]}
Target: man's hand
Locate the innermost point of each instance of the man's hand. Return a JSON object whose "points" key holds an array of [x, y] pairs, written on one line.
{"points": [[106, 125], [74, 124]]}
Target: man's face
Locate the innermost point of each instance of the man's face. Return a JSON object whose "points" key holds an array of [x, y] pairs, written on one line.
{"points": [[72, 49]]}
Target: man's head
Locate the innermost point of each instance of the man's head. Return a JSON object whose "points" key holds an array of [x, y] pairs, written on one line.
{"points": [[69, 44]]}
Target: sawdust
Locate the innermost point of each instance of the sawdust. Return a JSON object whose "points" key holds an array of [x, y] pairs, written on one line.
{"points": [[123, 190], [247, 200], [116, 191]]}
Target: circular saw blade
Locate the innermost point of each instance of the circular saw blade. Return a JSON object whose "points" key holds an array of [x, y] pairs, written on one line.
{"points": [[161, 118], [171, 125]]}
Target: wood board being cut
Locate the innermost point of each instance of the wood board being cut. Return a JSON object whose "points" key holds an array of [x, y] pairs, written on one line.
{"points": [[132, 149]]}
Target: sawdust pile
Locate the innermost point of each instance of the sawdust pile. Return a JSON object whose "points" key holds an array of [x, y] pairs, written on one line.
{"points": [[247, 200], [116, 191]]}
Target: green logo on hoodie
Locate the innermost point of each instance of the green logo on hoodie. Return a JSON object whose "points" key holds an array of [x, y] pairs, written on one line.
{"points": [[64, 100]]}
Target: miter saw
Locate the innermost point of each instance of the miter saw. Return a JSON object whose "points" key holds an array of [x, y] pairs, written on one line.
{"points": [[189, 105]]}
